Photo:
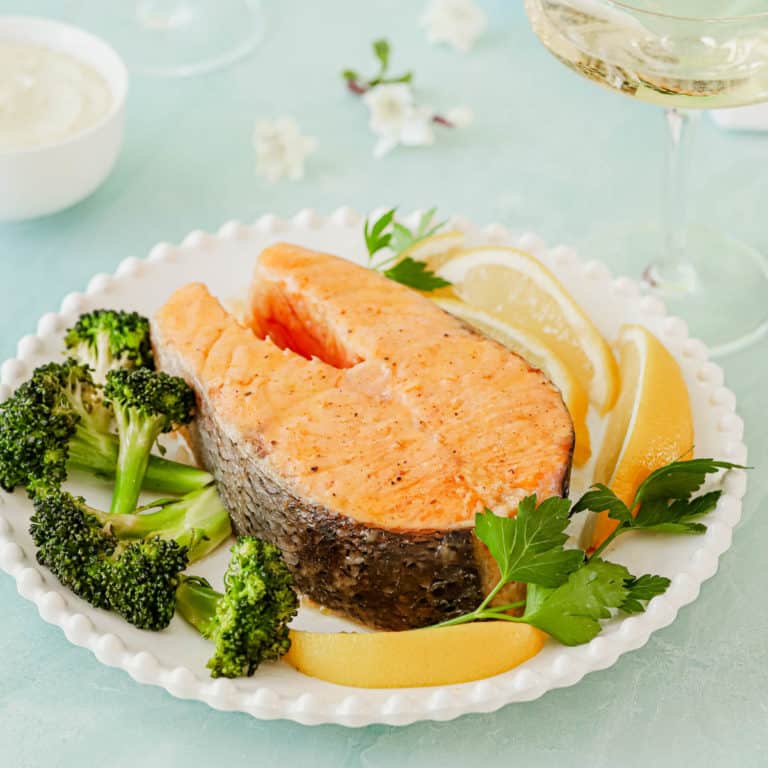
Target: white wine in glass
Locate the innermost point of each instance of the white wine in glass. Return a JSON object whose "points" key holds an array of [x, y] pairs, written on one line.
{"points": [[684, 55]]}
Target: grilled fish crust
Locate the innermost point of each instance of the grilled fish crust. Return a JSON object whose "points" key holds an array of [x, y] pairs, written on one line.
{"points": [[383, 578]]}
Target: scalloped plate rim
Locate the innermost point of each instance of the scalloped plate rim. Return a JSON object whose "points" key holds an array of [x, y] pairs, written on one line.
{"points": [[396, 706]]}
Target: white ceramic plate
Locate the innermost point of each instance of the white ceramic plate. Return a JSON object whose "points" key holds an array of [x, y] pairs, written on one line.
{"points": [[175, 659]]}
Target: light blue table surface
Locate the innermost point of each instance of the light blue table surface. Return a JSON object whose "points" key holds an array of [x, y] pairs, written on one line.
{"points": [[548, 153]]}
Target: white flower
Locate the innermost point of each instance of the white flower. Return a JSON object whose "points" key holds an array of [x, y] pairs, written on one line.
{"points": [[281, 149], [457, 22], [395, 119]]}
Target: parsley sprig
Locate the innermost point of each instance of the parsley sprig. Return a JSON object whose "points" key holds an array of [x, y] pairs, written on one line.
{"points": [[568, 592], [359, 85], [664, 502], [571, 612], [386, 233]]}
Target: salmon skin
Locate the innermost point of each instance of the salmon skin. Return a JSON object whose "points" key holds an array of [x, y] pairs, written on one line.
{"points": [[360, 428]]}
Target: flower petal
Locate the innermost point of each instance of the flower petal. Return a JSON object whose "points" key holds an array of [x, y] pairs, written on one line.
{"points": [[384, 146], [280, 148]]}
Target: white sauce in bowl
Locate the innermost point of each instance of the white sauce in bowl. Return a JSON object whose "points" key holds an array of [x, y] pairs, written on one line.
{"points": [[46, 96]]}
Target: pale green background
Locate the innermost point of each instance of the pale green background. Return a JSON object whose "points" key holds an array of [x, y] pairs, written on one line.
{"points": [[548, 152]]}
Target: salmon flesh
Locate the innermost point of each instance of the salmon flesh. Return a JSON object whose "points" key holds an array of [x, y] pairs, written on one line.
{"points": [[360, 428]]}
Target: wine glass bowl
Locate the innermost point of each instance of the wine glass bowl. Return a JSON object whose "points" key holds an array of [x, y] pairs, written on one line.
{"points": [[181, 38], [686, 56], [672, 60]]}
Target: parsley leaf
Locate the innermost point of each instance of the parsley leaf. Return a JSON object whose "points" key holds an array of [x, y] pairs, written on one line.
{"points": [[679, 479], [642, 589], [415, 274], [403, 238], [677, 517], [385, 232], [601, 498], [529, 546], [570, 612], [375, 236], [663, 501]]}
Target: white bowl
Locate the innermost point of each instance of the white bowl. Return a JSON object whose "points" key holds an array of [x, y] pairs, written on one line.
{"points": [[42, 180]]}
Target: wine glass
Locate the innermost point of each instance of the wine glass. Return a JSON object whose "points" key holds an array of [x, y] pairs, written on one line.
{"points": [[180, 38], [686, 56]]}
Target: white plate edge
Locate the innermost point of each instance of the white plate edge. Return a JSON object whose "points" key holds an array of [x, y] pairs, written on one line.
{"points": [[399, 707]]}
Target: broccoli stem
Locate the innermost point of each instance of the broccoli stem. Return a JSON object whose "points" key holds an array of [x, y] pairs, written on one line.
{"points": [[137, 436], [173, 477], [198, 521], [101, 358], [97, 455], [196, 601], [94, 452]]}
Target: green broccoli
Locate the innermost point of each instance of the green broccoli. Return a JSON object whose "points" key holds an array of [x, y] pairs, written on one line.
{"points": [[143, 580], [136, 579], [146, 403], [55, 417], [248, 622], [72, 544], [56, 421], [198, 521], [106, 339]]}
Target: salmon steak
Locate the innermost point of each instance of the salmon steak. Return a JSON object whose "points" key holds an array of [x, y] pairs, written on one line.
{"points": [[357, 426]]}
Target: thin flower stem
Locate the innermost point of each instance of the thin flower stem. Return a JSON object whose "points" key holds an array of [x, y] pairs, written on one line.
{"points": [[357, 88]]}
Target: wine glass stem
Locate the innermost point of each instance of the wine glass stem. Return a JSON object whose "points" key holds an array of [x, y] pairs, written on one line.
{"points": [[674, 272]]}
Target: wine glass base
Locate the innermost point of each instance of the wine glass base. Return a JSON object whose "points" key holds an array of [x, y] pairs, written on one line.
{"points": [[181, 38], [720, 292]]}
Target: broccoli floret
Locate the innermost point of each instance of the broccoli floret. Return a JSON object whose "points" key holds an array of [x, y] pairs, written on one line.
{"points": [[198, 521], [137, 579], [146, 404], [106, 339], [248, 623], [72, 544], [56, 421], [55, 417], [142, 582]]}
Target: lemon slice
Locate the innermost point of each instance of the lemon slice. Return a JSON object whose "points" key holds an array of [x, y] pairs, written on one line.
{"points": [[519, 290], [540, 354], [416, 657], [435, 250], [651, 424]]}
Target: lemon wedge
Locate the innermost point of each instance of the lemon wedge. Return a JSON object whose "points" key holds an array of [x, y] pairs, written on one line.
{"points": [[529, 345], [415, 657], [519, 290], [651, 424]]}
